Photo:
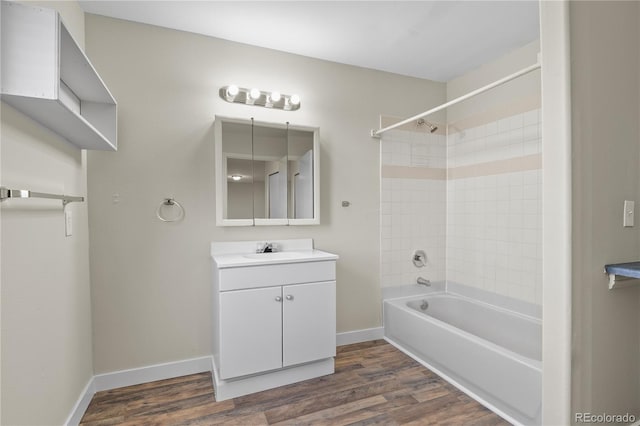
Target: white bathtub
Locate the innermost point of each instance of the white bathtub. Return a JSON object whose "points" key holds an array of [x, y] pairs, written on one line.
{"points": [[492, 354]]}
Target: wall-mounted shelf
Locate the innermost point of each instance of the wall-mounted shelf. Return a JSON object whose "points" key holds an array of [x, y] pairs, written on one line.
{"points": [[48, 77], [623, 274]]}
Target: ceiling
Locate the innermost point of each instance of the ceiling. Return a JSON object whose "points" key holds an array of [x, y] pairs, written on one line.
{"points": [[436, 40]]}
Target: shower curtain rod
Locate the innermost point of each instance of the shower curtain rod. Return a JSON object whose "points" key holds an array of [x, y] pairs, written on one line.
{"points": [[377, 133]]}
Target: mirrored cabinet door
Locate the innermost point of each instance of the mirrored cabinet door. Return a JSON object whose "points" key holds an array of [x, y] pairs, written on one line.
{"points": [[235, 159], [300, 200], [266, 173], [270, 167]]}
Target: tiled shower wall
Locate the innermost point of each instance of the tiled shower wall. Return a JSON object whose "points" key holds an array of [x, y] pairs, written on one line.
{"points": [[471, 200], [494, 209], [413, 203]]}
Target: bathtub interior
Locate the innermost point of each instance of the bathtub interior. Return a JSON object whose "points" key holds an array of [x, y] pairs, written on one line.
{"points": [[512, 330]]}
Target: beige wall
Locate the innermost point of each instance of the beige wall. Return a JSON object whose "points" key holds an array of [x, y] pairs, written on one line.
{"points": [[605, 46], [519, 95], [151, 280], [45, 298]]}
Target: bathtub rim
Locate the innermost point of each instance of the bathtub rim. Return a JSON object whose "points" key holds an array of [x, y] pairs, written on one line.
{"points": [[469, 299], [400, 303], [537, 319]]}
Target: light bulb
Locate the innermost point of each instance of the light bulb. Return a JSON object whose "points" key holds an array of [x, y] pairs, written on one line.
{"points": [[232, 90], [254, 93], [275, 96], [294, 99], [236, 177]]}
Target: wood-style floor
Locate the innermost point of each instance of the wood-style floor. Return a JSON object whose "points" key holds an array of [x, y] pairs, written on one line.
{"points": [[374, 383]]}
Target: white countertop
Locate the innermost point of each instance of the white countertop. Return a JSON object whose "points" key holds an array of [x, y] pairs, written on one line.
{"points": [[254, 259]]}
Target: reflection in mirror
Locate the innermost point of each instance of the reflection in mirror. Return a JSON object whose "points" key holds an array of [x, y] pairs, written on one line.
{"points": [[300, 180], [240, 188], [238, 169], [270, 168]]}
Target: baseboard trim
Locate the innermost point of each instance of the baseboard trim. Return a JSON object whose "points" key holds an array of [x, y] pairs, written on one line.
{"points": [[169, 370], [81, 404], [151, 373], [358, 336]]}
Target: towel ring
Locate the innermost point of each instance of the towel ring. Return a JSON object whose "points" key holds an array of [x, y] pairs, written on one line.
{"points": [[170, 202]]}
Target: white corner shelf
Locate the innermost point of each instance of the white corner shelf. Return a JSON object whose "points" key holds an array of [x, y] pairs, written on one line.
{"points": [[47, 76], [623, 274]]}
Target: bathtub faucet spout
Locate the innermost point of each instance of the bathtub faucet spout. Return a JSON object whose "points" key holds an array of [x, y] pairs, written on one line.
{"points": [[424, 282]]}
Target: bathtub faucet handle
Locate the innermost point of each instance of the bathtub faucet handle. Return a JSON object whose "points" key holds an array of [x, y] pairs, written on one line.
{"points": [[419, 259], [424, 282]]}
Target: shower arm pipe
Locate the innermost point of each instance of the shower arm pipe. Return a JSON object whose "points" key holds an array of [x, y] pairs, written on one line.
{"points": [[377, 133]]}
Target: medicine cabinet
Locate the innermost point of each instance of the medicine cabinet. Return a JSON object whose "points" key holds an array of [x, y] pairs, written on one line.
{"points": [[47, 76], [266, 173]]}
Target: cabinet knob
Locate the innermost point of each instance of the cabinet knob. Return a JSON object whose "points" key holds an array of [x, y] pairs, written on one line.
{"points": [[278, 298], [289, 296]]}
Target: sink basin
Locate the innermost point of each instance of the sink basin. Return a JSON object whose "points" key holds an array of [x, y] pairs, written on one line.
{"points": [[279, 255]]}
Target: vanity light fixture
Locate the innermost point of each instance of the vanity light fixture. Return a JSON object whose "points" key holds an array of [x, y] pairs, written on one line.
{"points": [[255, 96], [231, 92], [275, 97], [272, 99], [292, 103], [254, 93]]}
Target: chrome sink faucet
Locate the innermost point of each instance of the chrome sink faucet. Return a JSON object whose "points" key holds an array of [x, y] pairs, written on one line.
{"points": [[266, 248]]}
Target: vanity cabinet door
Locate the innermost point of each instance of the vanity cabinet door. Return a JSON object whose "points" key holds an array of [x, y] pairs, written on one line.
{"points": [[309, 322], [250, 331]]}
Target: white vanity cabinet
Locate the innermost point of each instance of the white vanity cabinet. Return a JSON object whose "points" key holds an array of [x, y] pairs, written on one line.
{"points": [[274, 316], [250, 331], [308, 322], [269, 328]]}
